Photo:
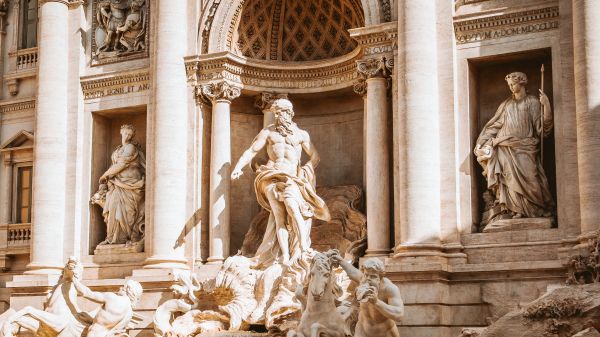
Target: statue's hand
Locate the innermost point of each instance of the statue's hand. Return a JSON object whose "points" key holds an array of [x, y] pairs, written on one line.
{"points": [[336, 259], [236, 174], [483, 152], [544, 99]]}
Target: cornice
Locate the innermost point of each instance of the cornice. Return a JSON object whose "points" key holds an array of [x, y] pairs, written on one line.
{"points": [[13, 106], [504, 25], [290, 77], [70, 3], [377, 39]]}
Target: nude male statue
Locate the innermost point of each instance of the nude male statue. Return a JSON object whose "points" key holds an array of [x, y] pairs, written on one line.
{"points": [[116, 311], [381, 305], [284, 187]]}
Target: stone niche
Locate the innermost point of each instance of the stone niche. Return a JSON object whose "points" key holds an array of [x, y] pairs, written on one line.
{"points": [[334, 121], [105, 139], [487, 90]]}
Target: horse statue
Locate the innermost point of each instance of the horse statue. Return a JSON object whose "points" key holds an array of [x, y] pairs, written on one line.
{"points": [[320, 316], [60, 317]]}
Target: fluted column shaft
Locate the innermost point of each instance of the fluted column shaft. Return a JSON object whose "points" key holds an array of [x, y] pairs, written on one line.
{"points": [[220, 94], [377, 164], [50, 149], [586, 39], [169, 119], [420, 180]]}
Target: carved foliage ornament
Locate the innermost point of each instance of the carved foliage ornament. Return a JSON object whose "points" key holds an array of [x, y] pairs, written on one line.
{"points": [[120, 30], [216, 91], [375, 67]]}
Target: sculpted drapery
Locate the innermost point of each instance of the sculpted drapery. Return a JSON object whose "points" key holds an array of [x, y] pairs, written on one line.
{"points": [[508, 150], [121, 192]]}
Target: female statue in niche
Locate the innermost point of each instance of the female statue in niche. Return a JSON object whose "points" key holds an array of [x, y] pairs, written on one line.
{"points": [[121, 192], [508, 150]]}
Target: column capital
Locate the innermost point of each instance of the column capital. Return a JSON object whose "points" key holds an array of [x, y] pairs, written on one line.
{"points": [[375, 67], [218, 91], [360, 87], [69, 3], [265, 99]]}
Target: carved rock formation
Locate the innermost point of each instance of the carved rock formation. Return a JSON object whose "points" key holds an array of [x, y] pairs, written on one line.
{"points": [[562, 312]]}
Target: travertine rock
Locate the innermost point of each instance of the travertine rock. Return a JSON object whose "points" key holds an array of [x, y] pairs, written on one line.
{"points": [[564, 311]]}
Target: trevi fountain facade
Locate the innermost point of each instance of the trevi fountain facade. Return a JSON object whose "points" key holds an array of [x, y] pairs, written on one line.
{"points": [[322, 168]]}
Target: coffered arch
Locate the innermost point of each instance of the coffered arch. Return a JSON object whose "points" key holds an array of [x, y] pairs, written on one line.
{"points": [[221, 19]]}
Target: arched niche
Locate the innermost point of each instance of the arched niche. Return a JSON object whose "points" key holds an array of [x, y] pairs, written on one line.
{"points": [[221, 18]]}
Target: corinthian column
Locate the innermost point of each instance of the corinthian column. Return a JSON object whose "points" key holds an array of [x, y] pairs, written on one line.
{"points": [[50, 149], [586, 39], [377, 170], [169, 150], [220, 95]]}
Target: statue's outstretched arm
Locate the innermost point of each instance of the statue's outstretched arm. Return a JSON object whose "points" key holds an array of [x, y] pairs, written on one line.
{"points": [[86, 292], [257, 144]]}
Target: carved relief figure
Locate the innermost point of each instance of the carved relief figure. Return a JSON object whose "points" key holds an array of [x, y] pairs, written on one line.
{"points": [[121, 192], [381, 305], [62, 316], [508, 150], [284, 187], [121, 27]]}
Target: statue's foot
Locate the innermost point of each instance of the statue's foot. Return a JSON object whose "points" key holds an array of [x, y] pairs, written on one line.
{"points": [[517, 216], [9, 330]]}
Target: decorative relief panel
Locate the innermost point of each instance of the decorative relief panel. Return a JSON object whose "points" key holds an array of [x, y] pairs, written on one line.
{"points": [[499, 26], [295, 30], [95, 87], [119, 30]]}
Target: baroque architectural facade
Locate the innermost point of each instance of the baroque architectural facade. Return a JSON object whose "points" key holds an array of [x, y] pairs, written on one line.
{"points": [[121, 122]]}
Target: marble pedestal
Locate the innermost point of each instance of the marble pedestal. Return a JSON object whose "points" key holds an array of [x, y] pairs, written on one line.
{"points": [[518, 224]]}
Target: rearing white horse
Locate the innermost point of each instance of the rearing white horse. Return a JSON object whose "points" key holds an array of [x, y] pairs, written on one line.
{"points": [[320, 317], [60, 316]]}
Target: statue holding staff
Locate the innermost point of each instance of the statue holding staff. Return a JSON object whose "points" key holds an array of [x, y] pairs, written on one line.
{"points": [[508, 149]]}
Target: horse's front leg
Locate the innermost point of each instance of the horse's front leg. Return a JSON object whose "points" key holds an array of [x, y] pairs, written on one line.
{"points": [[57, 324], [319, 330]]}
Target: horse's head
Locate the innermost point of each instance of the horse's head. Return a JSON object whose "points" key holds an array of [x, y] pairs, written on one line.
{"points": [[321, 282]]}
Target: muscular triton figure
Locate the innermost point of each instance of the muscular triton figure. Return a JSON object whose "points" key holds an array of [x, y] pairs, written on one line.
{"points": [[381, 305], [285, 187], [116, 310]]}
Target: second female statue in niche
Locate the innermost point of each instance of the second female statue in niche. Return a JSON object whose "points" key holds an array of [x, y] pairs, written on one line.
{"points": [[121, 192], [508, 150]]}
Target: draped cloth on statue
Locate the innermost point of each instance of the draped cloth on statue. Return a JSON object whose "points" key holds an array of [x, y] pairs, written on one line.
{"points": [[515, 172], [124, 207], [311, 206]]}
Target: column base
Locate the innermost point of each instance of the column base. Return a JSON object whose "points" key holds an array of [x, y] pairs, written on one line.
{"points": [[215, 260], [166, 262], [378, 252], [430, 252]]}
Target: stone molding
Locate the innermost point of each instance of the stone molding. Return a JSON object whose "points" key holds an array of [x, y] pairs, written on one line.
{"points": [[17, 106], [115, 84], [505, 25], [378, 39], [375, 67], [262, 76], [218, 91], [265, 99]]}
